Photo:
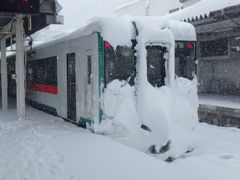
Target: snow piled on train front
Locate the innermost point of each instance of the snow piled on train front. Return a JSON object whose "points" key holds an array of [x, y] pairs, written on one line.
{"points": [[151, 110], [123, 122], [117, 31], [170, 112]]}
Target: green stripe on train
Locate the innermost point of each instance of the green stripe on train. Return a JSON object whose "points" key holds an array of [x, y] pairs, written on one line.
{"points": [[101, 74], [84, 121], [43, 107]]}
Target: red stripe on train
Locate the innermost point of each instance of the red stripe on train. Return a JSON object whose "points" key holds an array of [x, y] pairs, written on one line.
{"points": [[51, 89]]}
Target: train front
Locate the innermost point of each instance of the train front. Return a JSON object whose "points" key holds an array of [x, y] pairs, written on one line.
{"points": [[145, 105], [166, 105]]}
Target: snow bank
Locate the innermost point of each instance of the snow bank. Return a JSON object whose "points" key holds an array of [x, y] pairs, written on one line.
{"points": [[170, 114], [184, 116], [121, 117], [45, 147]]}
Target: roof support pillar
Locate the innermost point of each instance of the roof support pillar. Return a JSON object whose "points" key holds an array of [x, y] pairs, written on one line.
{"points": [[4, 78], [20, 69]]}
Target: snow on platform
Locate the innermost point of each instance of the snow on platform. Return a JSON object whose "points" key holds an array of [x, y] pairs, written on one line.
{"points": [[232, 102], [46, 147]]}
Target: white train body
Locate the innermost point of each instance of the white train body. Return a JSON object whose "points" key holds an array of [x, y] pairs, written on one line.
{"points": [[87, 96]]}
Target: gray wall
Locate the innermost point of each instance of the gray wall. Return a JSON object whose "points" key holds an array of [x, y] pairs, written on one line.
{"points": [[220, 74]]}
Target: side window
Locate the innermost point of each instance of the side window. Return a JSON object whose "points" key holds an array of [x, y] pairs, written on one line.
{"points": [[42, 71], [185, 59], [89, 62], [71, 58], [39, 72], [30, 74], [119, 64], [51, 71]]}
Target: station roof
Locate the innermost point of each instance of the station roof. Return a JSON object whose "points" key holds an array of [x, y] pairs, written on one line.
{"points": [[48, 15], [4, 21], [202, 8]]}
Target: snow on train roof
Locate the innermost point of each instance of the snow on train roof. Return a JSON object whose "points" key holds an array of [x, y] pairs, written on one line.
{"points": [[201, 8], [116, 31], [182, 31], [120, 31]]}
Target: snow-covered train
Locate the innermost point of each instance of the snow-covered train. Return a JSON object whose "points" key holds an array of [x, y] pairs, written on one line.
{"points": [[119, 72], [67, 77]]}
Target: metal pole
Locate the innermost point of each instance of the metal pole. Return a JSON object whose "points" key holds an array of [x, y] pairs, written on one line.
{"points": [[20, 69], [147, 8], [4, 78]]}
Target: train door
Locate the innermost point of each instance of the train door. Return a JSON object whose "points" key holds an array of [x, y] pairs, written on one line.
{"points": [[71, 87], [89, 88]]}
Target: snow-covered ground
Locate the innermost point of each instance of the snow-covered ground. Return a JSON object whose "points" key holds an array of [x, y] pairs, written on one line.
{"points": [[46, 147]]}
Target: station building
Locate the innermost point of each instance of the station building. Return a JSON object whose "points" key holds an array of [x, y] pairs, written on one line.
{"points": [[148, 8]]}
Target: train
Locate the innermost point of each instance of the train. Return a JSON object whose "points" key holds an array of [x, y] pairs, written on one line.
{"points": [[67, 77]]}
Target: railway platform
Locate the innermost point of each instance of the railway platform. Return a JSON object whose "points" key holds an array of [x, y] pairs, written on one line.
{"points": [[220, 110]]}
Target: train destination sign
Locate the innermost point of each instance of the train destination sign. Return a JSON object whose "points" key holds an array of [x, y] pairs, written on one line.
{"points": [[19, 6]]}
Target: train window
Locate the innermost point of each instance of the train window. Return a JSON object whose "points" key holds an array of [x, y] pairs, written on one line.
{"points": [[29, 73], [110, 58], [89, 61], [42, 71], [185, 59], [39, 73], [156, 72], [218, 47], [119, 64], [51, 71]]}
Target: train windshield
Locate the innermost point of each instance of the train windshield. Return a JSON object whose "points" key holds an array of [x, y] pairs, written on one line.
{"points": [[185, 59], [119, 64], [156, 71]]}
